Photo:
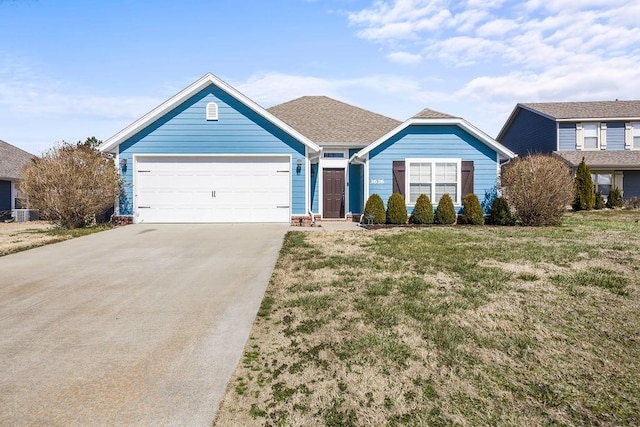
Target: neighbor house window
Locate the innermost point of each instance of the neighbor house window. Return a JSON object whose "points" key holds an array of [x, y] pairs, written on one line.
{"points": [[635, 143], [590, 133], [602, 183], [434, 177]]}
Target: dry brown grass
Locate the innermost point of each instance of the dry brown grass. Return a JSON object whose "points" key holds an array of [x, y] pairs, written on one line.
{"points": [[440, 326], [16, 236]]}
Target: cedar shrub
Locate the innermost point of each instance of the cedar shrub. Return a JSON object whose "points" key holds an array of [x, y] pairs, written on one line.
{"points": [[584, 199], [472, 212], [615, 198], [599, 201], [422, 211], [396, 209], [375, 207], [500, 213], [445, 212]]}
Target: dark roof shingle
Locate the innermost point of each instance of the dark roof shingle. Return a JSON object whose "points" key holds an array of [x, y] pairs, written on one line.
{"points": [[326, 120], [587, 110], [12, 160], [619, 158]]}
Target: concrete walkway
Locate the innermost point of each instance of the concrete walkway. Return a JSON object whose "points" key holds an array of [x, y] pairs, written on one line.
{"points": [[141, 325]]}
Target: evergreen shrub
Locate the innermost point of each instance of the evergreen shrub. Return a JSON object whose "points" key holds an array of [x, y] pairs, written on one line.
{"points": [[472, 212], [422, 211], [375, 208], [445, 212], [396, 209], [584, 198], [615, 198], [500, 213]]}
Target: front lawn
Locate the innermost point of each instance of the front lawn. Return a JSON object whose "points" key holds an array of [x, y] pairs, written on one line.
{"points": [[20, 236], [448, 325]]}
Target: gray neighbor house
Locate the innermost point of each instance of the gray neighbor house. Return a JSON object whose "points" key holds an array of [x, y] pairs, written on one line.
{"points": [[605, 133], [12, 161]]}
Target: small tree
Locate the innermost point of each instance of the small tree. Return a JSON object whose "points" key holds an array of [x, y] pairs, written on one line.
{"points": [[472, 212], [71, 184], [615, 198], [396, 209], [500, 213], [584, 199], [445, 212], [539, 188], [599, 203], [375, 208], [422, 211]]}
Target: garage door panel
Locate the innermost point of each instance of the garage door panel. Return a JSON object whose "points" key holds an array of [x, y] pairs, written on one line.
{"points": [[211, 189]]}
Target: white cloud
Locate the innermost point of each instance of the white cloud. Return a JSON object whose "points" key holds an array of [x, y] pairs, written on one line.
{"points": [[496, 28], [404, 57], [23, 90], [273, 88]]}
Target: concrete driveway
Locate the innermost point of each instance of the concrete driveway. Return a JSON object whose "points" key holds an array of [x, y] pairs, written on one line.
{"points": [[140, 325]]}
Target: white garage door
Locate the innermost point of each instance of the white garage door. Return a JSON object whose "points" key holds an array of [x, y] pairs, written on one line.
{"points": [[212, 189]]}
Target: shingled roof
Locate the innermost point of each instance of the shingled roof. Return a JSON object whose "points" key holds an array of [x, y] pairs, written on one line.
{"points": [[586, 110], [433, 114], [326, 120], [12, 161], [605, 159]]}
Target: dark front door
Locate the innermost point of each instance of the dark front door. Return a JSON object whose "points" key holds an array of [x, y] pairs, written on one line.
{"points": [[333, 190], [5, 195]]}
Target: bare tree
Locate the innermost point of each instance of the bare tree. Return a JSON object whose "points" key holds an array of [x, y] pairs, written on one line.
{"points": [[71, 184]]}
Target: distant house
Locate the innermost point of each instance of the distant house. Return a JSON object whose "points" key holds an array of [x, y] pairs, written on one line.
{"points": [[210, 154], [605, 133], [12, 162]]}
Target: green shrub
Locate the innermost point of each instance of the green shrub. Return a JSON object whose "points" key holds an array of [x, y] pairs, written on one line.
{"points": [[539, 188], [472, 212], [599, 204], [615, 198], [500, 213], [396, 209], [422, 211], [375, 208], [445, 213], [584, 198]]}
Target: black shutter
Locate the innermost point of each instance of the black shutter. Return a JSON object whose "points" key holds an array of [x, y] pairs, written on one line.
{"points": [[398, 177], [467, 177]]}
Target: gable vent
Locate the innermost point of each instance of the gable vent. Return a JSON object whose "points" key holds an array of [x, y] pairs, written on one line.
{"points": [[212, 111]]}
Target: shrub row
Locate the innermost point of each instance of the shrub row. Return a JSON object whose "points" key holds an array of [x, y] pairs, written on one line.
{"points": [[445, 213]]}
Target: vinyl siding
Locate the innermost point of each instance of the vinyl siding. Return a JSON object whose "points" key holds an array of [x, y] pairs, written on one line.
{"points": [[615, 136], [429, 141], [238, 130], [631, 184], [530, 133], [567, 136], [315, 206], [356, 186]]}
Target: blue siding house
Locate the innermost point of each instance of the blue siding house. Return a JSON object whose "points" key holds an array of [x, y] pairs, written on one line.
{"points": [[210, 154], [432, 153], [605, 133]]}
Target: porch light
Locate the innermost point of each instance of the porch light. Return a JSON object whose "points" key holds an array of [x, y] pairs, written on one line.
{"points": [[123, 164]]}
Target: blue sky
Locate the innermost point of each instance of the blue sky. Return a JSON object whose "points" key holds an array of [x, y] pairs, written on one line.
{"points": [[73, 69]]}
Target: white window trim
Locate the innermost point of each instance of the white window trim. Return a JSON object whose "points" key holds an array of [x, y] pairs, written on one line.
{"points": [[601, 134], [212, 111], [433, 161], [628, 136]]}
